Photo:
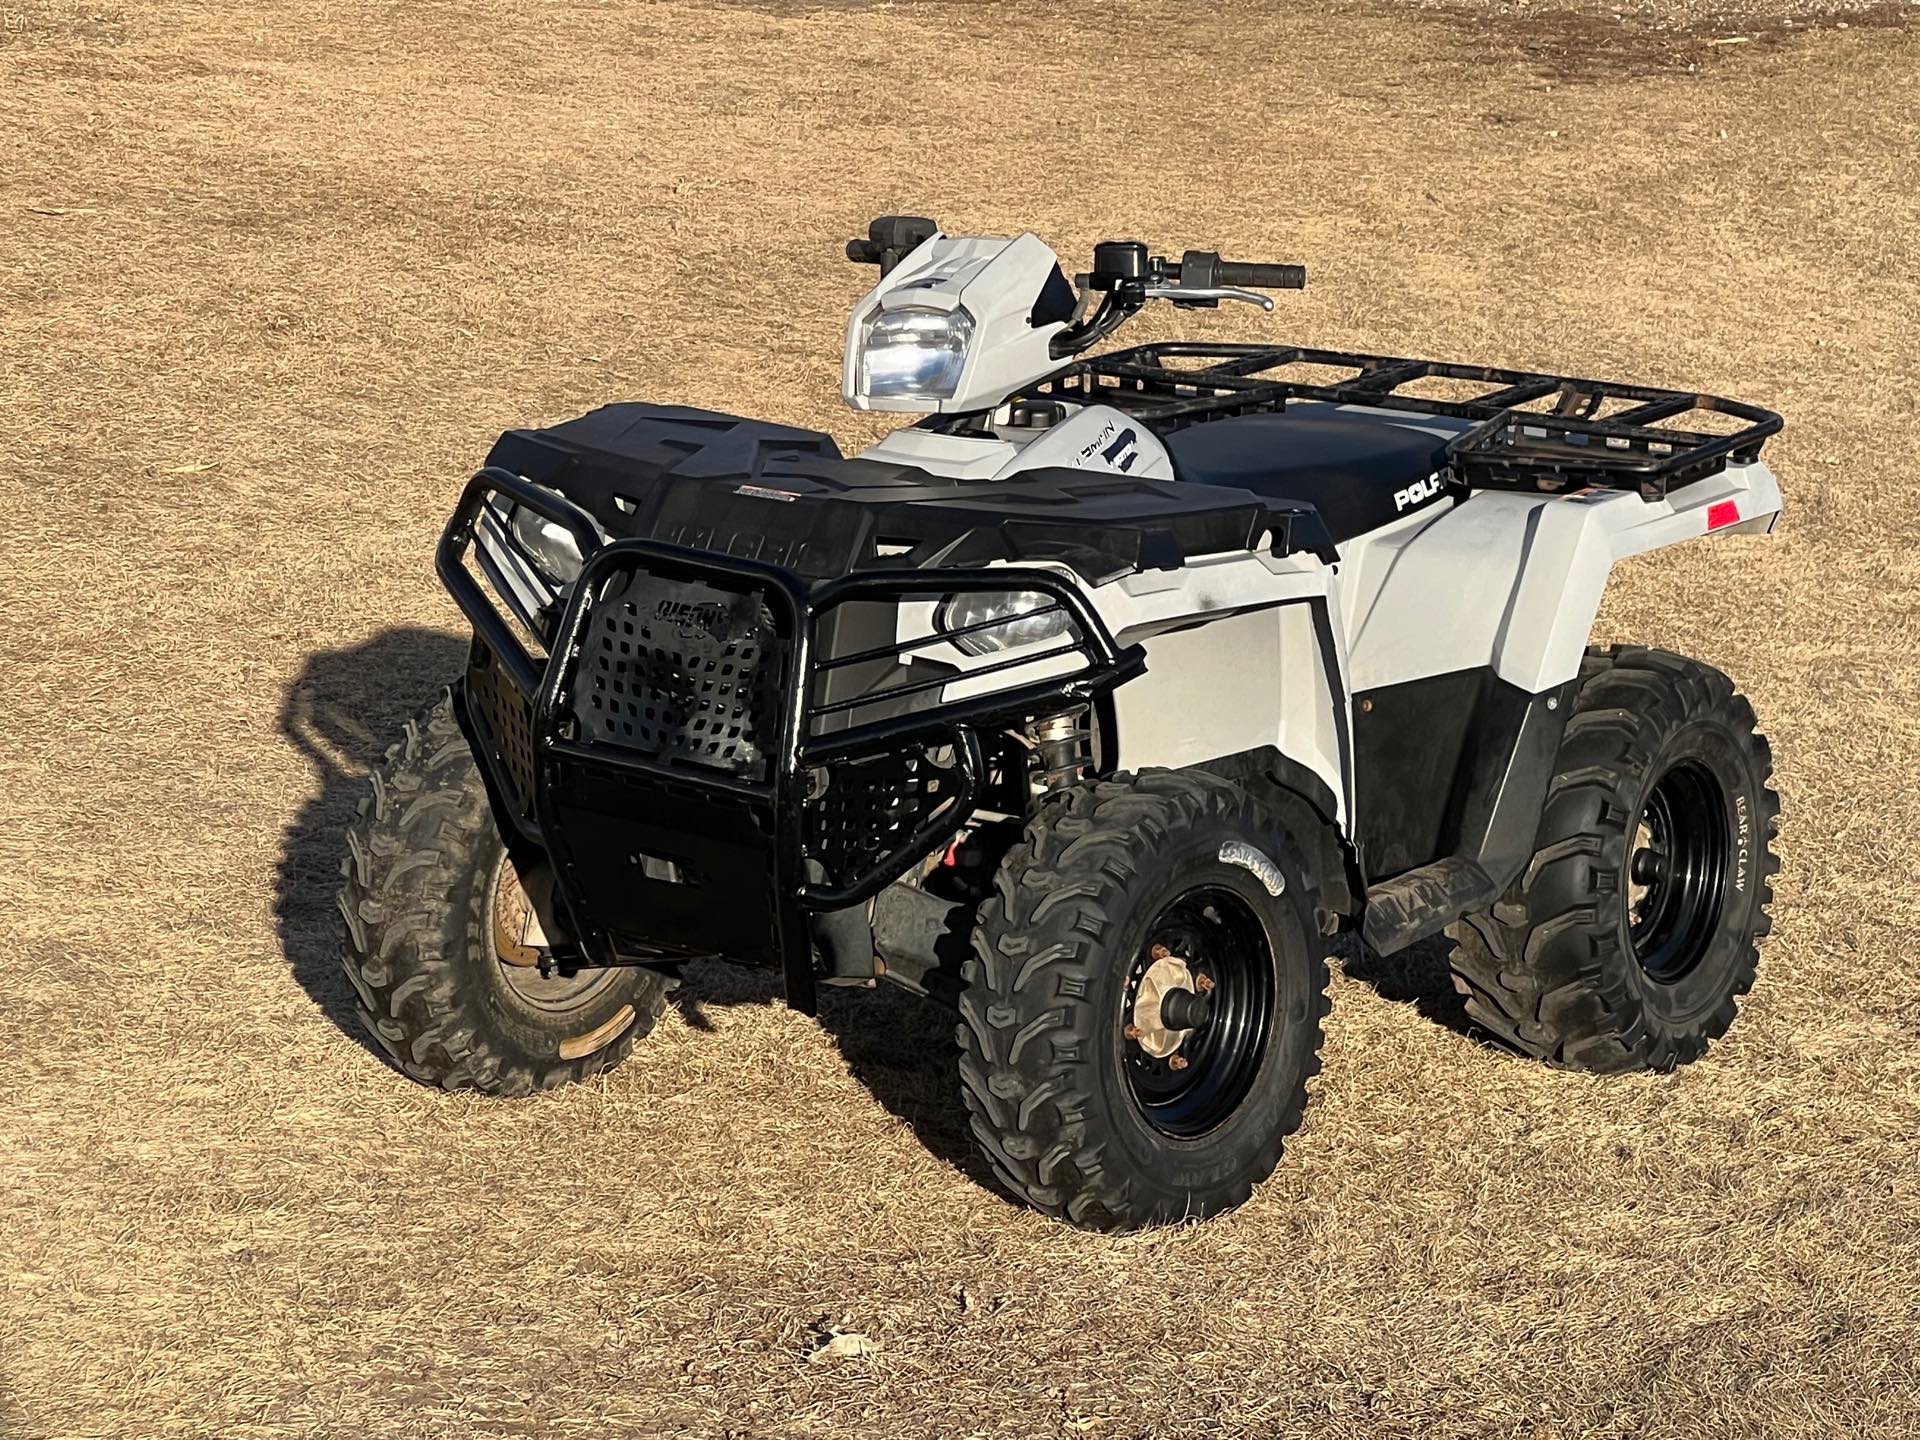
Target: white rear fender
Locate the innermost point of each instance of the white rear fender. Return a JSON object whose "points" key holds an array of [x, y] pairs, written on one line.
{"points": [[1514, 581]]}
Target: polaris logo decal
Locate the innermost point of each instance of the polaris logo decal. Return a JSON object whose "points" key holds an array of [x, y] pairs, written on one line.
{"points": [[1238, 852], [688, 617], [1118, 450], [1417, 494]]}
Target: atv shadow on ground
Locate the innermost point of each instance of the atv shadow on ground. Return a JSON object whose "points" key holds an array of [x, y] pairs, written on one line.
{"points": [[898, 1045], [1417, 976], [342, 712], [902, 1049]]}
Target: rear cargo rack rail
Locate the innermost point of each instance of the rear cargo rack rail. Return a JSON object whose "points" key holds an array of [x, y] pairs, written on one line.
{"points": [[1531, 431]]}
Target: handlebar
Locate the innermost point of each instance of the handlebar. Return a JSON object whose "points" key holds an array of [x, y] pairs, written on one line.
{"points": [[1205, 270], [1124, 269], [1125, 276]]}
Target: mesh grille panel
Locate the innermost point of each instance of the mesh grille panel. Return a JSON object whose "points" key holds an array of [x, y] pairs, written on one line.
{"points": [[681, 672], [871, 806], [506, 717]]}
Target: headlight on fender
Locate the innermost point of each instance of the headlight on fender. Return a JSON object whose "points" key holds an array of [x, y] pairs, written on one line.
{"points": [[550, 545], [1015, 607], [914, 354]]}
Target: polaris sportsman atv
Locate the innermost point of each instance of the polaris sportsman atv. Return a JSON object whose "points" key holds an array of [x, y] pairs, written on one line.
{"points": [[1090, 704]]}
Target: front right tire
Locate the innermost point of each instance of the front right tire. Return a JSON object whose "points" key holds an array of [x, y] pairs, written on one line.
{"points": [[432, 913]]}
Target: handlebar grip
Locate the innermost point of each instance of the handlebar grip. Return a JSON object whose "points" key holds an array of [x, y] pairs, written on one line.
{"points": [[1261, 277]]}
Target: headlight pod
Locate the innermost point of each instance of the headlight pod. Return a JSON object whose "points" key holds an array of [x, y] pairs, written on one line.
{"points": [[914, 354], [550, 544], [1016, 607]]}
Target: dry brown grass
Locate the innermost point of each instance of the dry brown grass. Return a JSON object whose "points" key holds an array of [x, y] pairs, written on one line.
{"points": [[328, 250]]}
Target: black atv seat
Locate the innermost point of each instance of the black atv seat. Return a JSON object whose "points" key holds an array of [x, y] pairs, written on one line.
{"points": [[1349, 465]]}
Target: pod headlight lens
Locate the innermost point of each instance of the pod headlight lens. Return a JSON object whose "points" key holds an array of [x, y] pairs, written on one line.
{"points": [[914, 354]]}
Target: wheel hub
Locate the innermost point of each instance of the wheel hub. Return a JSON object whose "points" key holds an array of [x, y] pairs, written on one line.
{"points": [[517, 909], [514, 923], [1168, 986]]}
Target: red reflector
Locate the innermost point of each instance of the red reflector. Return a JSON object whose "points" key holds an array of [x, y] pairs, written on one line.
{"points": [[1725, 513]]}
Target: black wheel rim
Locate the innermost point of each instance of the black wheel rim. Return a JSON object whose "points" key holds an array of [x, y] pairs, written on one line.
{"points": [[1677, 871], [1220, 942]]}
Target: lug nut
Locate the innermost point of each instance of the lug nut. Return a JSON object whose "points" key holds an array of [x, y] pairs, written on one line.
{"points": [[1177, 1062], [1132, 1032], [1203, 983], [1158, 952]]}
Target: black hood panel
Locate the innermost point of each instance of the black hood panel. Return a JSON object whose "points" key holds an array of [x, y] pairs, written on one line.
{"points": [[785, 495]]}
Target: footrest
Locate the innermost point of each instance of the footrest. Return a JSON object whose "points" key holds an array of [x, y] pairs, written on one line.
{"points": [[1423, 902]]}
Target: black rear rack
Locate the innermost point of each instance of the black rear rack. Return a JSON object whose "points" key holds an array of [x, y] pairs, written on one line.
{"points": [[1528, 431]]}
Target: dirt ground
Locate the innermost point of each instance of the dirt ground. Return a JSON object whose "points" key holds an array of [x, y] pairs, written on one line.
{"points": [[271, 278]]}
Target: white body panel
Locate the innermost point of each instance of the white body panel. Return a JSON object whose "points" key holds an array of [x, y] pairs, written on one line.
{"points": [[1092, 437], [1234, 662], [1281, 696], [1502, 580], [1512, 581]]}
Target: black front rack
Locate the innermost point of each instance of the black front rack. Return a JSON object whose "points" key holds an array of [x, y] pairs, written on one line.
{"points": [[1526, 431], [701, 764]]}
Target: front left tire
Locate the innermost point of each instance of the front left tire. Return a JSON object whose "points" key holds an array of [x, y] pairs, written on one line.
{"points": [[1143, 1008]]}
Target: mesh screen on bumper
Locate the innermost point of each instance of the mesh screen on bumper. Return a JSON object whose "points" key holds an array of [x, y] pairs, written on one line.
{"points": [[681, 672], [868, 806], [505, 718]]}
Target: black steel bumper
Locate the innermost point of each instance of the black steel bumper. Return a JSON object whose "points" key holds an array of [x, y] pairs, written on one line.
{"points": [[706, 756]]}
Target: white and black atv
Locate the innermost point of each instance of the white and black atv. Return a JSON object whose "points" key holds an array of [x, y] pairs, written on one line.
{"points": [[1092, 704]]}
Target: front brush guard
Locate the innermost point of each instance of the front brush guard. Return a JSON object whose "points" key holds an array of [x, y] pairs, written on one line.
{"points": [[676, 808]]}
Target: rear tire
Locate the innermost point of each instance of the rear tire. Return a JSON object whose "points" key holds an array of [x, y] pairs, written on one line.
{"points": [[419, 898], [1128, 903], [1626, 941]]}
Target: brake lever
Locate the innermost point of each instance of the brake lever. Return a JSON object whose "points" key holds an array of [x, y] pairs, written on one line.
{"points": [[1178, 293]]}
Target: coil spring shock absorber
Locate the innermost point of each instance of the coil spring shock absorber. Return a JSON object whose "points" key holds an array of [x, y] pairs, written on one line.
{"points": [[1059, 750]]}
